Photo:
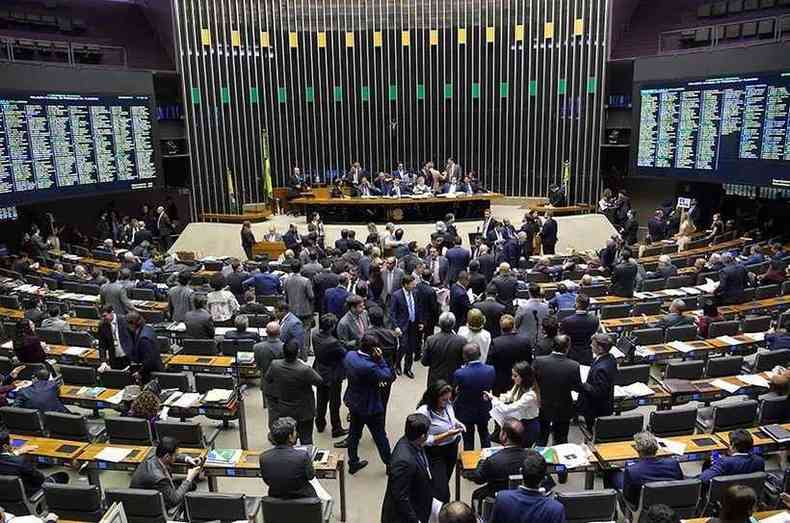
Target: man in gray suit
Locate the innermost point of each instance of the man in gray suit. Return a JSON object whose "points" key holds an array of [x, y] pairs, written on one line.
{"points": [[301, 298], [154, 473], [530, 315], [114, 294], [289, 391], [285, 470], [179, 298], [354, 323], [438, 265], [266, 351], [392, 277], [199, 324]]}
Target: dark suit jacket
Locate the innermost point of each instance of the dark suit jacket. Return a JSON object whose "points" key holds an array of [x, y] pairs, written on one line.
{"points": [[429, 308], [471, 380], [107, 343], [580, 328], [459, 304], [289, 390], [329, 354], [288, 471], [146, 354], [399, 310], [496, 470], [31, 350], [458, 259], [521, 505], [505, 351], [506, 286], [732, 281], [657, 229], [152, 475], [199, 325], [548, 233], [487, 265], [557, 375], [623, 280], [630, 231], [42, 396], [477, 282], [597, 395], [493, 311], [647, 470], [24, 469], [732, 465], [409, 494], [443, 355]]}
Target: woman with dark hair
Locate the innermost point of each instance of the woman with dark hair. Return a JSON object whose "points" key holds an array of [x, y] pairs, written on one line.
{"points": [[373, 235], [737, 505], [710, 313], [375, 283], [27, 346], [443, 436], [521, 402]]}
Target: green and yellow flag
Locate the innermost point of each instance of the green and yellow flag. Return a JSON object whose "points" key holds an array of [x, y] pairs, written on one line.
{"points": [[267, 166]]}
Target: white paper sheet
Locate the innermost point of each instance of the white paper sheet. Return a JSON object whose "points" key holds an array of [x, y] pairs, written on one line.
{"points": [[584, 371], [187, 400], [75, 351], [755, 380], [673, 446], [782, 517], [729, 340], [8, 345], [709, 286], [218, 395], [725, 385], [320, 491], [681, 346], [572, 455], [113, 454], [116, 398], [691, 291], [756, 336], [638, 390]]}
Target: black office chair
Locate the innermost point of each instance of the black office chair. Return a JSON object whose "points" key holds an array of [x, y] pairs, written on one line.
{"points": [[617, 428], [123, 430], [581, 507], [10, 302], [172, 380], [595, 291], [770, 359], [648, 308], [74, 502], [15, 500], [6, 365], [51, 283], [22, 421], [723, 328], [199, 347], [737, 415], [77, 375], [141, 506], [676, 282], [657, 284], [50, 336], [756, 323], [767, 291], [73, 427], [685, 370], [115, 378], [784, 319], [70, 286], [648, 336], [303, 510], [203, 507], [723, 366], [204, 382], [163, 345], [187, 434], [720, 484], [30, 370], [675, 422], [628, 374], [77, 339], [141, 294], [786, 285], [681, 333], [773, 409], [615, 311], [682, 496], [86, 312], [89, 289], [232, 347], [153, 317]]}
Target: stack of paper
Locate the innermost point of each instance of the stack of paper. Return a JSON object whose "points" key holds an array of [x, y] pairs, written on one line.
{"points": [[681, 346], [113, 454], [709, 286], [693, 291], [243, 358], [572, 455], [754, 380], [729, 340], [173, 397], [756, 336], [673, 292], [8, 345], [634, 390], [187, 400], [617, 353], [725, 385], [782, 517], [672, 446], [643, 352], [223, 456], [218, 396], [76, 351]]}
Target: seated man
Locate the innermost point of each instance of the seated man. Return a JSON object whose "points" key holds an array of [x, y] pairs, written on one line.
{"points": [[528, 503], [155, 473], [675, 317], [649, 468], [41, 395], [15, 464], [241, 333], [457, 512], [287, 470], [54, 321], [740, 461], [495, 470], [199, 324]]}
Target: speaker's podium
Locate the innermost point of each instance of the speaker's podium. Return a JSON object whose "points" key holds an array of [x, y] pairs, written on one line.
{"points": [[271, 249]]}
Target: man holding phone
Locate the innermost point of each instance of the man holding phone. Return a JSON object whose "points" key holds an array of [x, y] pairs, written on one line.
{"points": [[155, 473]]}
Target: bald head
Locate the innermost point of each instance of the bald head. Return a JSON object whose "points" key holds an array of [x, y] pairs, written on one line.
{"points": [[273, 329], [457, 512], [471, 352]]}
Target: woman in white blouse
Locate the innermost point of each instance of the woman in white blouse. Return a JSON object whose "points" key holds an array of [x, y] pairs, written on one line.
{"points": [[522, 402], [443, 436]]}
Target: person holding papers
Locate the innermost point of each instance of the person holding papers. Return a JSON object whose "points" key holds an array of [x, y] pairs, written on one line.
{"points": [[520, 402], [647, 469], [597, 393], [740, 461], [155, 473], [286, 470]]}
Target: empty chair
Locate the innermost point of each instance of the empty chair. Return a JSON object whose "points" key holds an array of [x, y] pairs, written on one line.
{"points": [[187, 434], [581, 507], [10, 302], [770, 359], [76, 375], [628, 374], [74, 502], [30, 370], [773, 409], [784, 320], [675, 422], [115, 379], [303, 510], [206, 506], [731, 416], [204, 382], [6, 366], [86, 312], [657, 284], [648, 336], [172, 380], [648, 308], [685, 370], [723, 328], [141, 506], [719, 484], [766, 28], [70, 426], [767, 291], [615, 311], [724, 366], [617, 428], [682, 496], [163, 344], [141, 294], [15, 500], [232, 347], [676, 282], [682, 333], [122, 430], [199, 347], [77, 339], [756, 323], [50, 336], [22, 421]]}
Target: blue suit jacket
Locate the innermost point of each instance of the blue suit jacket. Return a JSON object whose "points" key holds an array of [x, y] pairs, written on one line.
{"points": [[290, 328], [645, 471], [42, 396], [731, 465], [364, 376], [459, 304], [458, 260], [472, 379], [265, 283], [597, 398], [335, 301], [525, 506], [399, 309]]}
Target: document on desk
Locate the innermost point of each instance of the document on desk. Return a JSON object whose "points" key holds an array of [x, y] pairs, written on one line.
{"points": [[782, 517], [691, 291], [76, 351], [223, 456], [572, 455], [672, 446], [116, 398], [709, 286], [681, 346], [732, 388], [113, 454], [634, 390], [187, 400], [218, 396], [756, 336], [8, 345], [617, 353], [754, 380], [729, 340]]}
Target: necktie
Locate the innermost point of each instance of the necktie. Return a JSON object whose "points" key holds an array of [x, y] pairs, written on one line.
{"points": [[360, 326], [389, 283], [410, 303]]}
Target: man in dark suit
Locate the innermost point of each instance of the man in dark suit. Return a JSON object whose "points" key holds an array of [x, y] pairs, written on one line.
{"points": [[155, 473], [404, 315], [199, 324], [329, 355], [492, 310], [597, 395], [335, 298], [471, 408], [624, 276], [505, 351], [506, 285], [145, 353], [115, 294], [732, 281], [740, 461], [115, 342], [487, 262], [289, 390], [648, 469], [458, 259], [477, 281], [528, 503], [235, 280], [459, 298], [556, 376], [41, 395], [488, 230], [675, 317], [438, 266], [657, 227], [630, 230], [409, 494], [548, 233], [285, 470], [428, 307], [495, 471], [580, 326], [443, 351]]}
